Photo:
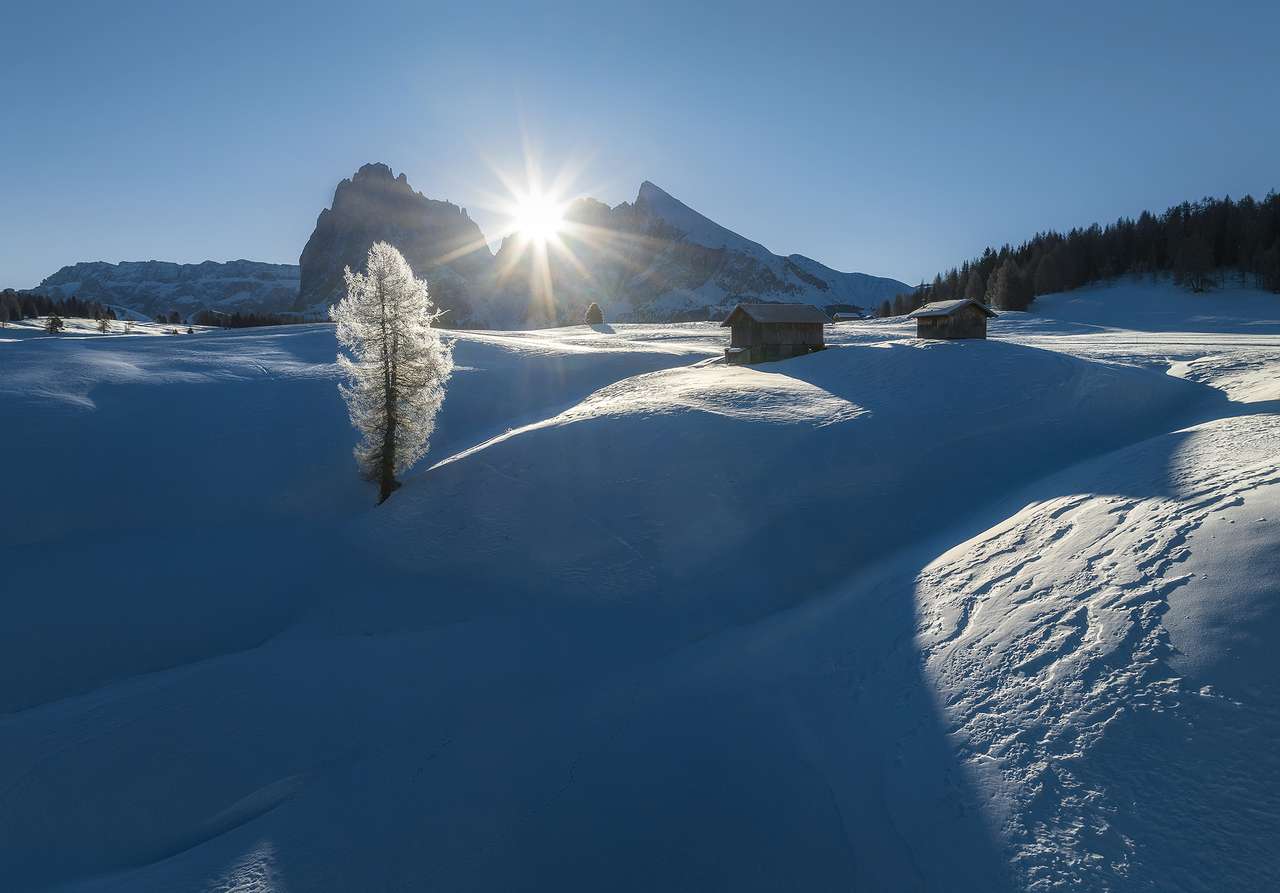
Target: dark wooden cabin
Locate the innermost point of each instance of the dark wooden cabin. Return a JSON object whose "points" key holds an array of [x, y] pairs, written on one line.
{"points": [[965, 318], [763, 332]]}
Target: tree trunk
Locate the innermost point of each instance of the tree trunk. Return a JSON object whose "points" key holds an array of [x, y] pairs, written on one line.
{"points": [[387, 483]]}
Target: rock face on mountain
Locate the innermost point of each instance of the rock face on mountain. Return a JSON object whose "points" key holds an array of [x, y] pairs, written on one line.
{"points": [[657, 259], [441, 243], [156, 286]]}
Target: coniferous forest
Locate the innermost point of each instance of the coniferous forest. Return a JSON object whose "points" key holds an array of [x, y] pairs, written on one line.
{"points": [[1201, 244], [243, 319], [19, 305]]}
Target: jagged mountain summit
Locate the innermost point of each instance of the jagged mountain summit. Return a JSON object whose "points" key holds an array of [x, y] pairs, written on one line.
{"points": [[653, 259], [156, 286], [657, 259], [439, 240]]}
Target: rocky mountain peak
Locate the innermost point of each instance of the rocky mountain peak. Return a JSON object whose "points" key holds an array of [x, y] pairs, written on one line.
{"points": [[441, 243], [376, 170]]}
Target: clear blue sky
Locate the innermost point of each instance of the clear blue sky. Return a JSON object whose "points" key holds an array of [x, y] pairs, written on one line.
{"points": [[892, 138]]}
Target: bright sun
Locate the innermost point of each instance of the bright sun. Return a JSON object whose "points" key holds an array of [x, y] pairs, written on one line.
{"points": [[537, 218]]}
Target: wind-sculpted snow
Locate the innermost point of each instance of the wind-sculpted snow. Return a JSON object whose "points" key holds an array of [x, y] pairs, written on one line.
{"points": [[897, 615], [1048, 640]]}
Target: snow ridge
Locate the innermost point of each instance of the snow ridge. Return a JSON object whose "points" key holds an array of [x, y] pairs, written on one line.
{"points": [[1045, 634]]}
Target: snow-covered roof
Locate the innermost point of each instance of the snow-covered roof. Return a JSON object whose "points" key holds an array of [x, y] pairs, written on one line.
{"points": [[946, 308], [778, 313]]}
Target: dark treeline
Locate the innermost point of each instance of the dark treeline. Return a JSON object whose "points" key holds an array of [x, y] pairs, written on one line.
{"points": [[16, 305], [1197, 242], [240, 320]]}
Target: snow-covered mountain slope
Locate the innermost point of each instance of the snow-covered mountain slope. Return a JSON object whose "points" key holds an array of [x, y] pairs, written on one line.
{"points": [[946, 616], [657, 258], [154, 286]]}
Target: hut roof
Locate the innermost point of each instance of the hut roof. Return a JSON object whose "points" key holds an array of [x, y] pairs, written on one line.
{"points": [[778, 313], [946, 308]]}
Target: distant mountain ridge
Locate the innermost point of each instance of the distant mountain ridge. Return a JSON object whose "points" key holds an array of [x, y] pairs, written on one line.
{"points": [[156, 286], [651, 260], [656, 258]]}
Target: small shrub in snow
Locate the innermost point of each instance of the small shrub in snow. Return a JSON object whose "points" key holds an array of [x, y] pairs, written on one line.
{"points": [[595, 316], [104, 325], [53, 325]]}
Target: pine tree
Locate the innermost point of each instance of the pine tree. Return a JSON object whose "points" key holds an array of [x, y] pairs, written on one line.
{"points": [[397, 368], [594, 316], [1048, 278], [998, 287], [53, 325], [976, 287], [1269, 267], [104, 325], [1194, 263]]}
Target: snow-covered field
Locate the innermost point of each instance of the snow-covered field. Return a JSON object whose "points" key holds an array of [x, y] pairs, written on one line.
{"points": [[897, 615], [136, 325]]}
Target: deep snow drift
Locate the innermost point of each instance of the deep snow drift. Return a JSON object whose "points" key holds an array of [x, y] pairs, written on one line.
{"points": [[892, 616]]}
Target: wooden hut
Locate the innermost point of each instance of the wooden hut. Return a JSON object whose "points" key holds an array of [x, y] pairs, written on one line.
{"points": [[965, 318], [763, 332]]}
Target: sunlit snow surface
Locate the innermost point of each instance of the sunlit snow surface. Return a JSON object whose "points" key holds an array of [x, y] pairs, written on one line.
{"points": [[952, 616]]}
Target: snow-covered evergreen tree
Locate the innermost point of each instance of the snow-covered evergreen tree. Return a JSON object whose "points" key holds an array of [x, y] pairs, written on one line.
{"points": [[397, 368]]}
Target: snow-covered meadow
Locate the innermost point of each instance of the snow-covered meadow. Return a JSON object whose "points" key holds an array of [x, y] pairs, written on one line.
{"points": [[897, 615]]}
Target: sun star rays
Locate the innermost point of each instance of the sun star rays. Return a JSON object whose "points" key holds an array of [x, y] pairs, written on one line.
{"points": [[561, 247]]}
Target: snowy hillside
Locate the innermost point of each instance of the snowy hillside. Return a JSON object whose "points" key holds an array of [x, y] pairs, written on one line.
{"points": [[152, 287], [897, 615], [793, 278], [21, 330]]}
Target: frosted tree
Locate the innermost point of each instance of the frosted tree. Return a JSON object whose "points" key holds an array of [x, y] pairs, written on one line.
{"points": [[104, 325], [397, 366]]}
